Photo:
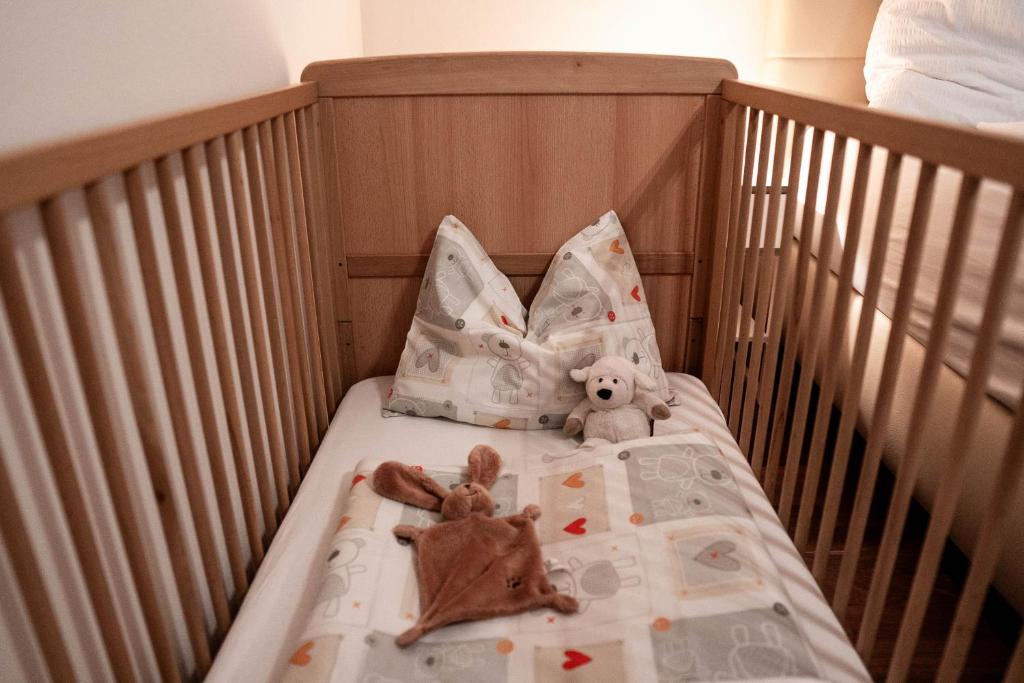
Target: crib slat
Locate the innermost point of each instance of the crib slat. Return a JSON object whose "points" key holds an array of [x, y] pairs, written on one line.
{"points": [[276, 173], [261, 343], [730, 113], [218, 328], [144, 405], [326, 117], [809, 358], [201, 383], [780, 304], [741, 229], [99, 399], [880, 418], [320, 253], [987, 549], [855, 378], [259, 168], [175, 398], [302, 197], [45, 399], [795, 322], [227, 240], [837, 333], [899, 502], [763, 298], [26, 567], [287, 256], [955, 461], [752, 263], [323, 140], [732, 230]]}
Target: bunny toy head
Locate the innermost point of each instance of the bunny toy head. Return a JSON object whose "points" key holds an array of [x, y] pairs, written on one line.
{"points": [[407, 484]]}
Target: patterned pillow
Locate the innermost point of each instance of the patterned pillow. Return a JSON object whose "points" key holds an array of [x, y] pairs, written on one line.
{"points": [[471, 356]]}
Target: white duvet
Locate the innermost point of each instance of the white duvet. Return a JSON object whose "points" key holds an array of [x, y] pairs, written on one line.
{"points": [[956, 60]]}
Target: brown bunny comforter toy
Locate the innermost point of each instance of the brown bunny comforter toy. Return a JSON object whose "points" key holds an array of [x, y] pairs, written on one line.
{"points": [[472, 565]]}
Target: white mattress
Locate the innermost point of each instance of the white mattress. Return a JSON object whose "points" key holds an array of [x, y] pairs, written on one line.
{"points": [[278, 604], [993, 199]]}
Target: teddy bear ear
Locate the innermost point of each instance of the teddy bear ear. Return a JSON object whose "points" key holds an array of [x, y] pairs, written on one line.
{"points": [[484, 463], [580, 374], [643, 380]]}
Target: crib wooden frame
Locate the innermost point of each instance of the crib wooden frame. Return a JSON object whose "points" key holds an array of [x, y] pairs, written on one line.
{"points": [[194, 294]]}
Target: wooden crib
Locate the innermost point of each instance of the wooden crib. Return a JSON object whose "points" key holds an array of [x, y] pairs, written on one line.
{"points": [[186, 300]]}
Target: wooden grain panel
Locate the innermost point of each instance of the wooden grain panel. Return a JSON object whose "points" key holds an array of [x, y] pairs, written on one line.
{"points": [[38, 172], [525, 173], [518, 72], [413, 265]]}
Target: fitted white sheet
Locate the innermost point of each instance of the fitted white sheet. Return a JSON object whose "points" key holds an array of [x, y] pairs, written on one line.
{"points": [[277, 606]]}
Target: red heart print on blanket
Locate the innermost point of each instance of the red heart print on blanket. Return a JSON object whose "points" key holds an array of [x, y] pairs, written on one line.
{"points": [[573, 659], [301, 656], [576, 527], [575, 481], [718, 555]]}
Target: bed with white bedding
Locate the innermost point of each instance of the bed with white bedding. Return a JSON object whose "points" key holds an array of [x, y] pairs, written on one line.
{"points": [[288, 615]]}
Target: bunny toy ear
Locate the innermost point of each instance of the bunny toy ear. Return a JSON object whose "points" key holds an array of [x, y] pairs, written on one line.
{"points": [[408, 485], [644, 381], [484, 463]]}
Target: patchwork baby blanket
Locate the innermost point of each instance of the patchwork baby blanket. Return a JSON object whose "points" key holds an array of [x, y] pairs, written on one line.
{"points": [[473, 355], [651, 536]]}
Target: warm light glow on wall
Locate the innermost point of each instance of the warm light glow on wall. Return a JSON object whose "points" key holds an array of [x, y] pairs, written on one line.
{"points": [[729, 29]]}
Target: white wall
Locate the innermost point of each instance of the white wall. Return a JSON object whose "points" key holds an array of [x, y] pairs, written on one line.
{"points": [[69, 66], [731, 29]]}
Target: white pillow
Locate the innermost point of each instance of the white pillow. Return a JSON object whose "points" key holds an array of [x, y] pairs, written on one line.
{"points": [[471, 356], [956, 60]]}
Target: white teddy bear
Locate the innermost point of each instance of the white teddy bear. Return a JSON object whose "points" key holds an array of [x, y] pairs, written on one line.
{"points": [[619, 405]]}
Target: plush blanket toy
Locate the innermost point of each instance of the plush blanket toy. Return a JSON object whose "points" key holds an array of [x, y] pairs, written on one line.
{"points": [[619, 405], [472, 565]]}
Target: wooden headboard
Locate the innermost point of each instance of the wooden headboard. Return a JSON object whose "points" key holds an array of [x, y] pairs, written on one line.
{"points": [[525, 148]]}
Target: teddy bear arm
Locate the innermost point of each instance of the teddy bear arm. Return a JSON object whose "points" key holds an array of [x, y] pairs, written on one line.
{"points": [[578, 417], [653, 407]]}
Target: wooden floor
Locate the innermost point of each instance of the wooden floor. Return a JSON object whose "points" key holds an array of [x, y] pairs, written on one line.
{"points": [[998, 628]]}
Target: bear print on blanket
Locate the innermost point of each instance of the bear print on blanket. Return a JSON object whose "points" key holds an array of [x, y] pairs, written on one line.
{"points": [[473, 354]]}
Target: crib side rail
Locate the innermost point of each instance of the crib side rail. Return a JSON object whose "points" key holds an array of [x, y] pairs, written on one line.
{"points": [[168, 366], [778, 356]]}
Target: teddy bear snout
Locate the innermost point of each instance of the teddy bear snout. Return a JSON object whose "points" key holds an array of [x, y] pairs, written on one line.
{"points": [[604, 394]]}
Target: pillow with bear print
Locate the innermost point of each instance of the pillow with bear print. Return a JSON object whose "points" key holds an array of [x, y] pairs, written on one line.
{"points": [[474, 355]]}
